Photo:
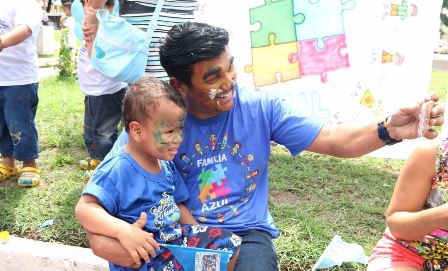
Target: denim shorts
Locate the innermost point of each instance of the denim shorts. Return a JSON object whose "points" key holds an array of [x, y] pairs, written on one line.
{"points": [[257, 252], [18, 134]]}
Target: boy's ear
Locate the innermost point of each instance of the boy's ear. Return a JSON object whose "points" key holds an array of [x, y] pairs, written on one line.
{"points": [[135, 130], [179, 86]]}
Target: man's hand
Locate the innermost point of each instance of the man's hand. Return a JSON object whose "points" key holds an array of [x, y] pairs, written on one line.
{"points": [[405, 123], [136, 241]]}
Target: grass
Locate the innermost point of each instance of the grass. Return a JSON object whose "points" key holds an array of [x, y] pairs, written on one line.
{"points": [[312, 197]]}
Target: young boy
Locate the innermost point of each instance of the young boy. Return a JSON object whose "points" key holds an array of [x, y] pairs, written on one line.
{"points": [[19, 83], [140, 178], [69, 23], [102, 107]]}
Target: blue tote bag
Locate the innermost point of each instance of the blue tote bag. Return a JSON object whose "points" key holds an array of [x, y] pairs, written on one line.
{"points": [[198, 259], [120, 50]]}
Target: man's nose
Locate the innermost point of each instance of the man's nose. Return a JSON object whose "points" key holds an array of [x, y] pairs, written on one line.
{"points": [[229, 83]]}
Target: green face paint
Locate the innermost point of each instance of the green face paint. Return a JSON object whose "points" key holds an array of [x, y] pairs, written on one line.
{"points": [[158, 134], [165, 134]]}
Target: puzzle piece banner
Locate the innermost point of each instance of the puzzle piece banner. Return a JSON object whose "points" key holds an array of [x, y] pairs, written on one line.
{"points": [[337, 60]]}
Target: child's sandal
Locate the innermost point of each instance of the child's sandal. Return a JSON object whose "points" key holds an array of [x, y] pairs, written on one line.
{"points": [[29, 177], [89, 164], [6, 172]]}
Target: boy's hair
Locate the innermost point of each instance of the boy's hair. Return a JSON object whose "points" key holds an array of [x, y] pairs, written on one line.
{"points": [[189, 43], [67, 5], [108, 3], [141, 99]]}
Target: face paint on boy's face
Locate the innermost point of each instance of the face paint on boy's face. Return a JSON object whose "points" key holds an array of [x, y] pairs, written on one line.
{"points": [[166, 134]]}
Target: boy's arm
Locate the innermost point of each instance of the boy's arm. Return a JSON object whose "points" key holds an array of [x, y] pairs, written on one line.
{"points": [[90, 22], [95, 219], [15, 36], [185, 216]]}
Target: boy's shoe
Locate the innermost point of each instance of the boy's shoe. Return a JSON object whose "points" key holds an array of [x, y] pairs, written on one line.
{"points": [[6, 172], [89, 164], [29, 177]]}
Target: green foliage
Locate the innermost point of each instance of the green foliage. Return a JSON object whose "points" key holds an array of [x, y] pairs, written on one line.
{"points": [[67, 63]]}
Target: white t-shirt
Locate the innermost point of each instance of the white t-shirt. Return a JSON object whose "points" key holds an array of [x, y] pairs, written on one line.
{"points": [[18, 63], [93, 82], [70, 24]]}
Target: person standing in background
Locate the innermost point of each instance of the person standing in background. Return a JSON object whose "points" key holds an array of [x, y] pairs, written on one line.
{"points": [[19, 82], [139, 14], [102, 107]]}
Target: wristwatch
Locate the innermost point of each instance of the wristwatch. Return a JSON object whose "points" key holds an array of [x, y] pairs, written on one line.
{"points": [[383, 134]]}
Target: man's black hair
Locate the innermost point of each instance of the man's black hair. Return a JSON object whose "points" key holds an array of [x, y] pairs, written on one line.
{"points": [[189, 43]]}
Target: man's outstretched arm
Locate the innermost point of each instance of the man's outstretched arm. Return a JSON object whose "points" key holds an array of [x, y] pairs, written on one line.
{"points": [[111, 250]]}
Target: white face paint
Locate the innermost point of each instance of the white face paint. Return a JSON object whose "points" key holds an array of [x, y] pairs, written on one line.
{"points": [[213, 92]]}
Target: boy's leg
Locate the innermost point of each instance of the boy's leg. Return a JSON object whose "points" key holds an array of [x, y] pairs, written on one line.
{"points": [[7, 166], [201, 236], [19, 113], [101, 118], [257, 252], [19, 110]]}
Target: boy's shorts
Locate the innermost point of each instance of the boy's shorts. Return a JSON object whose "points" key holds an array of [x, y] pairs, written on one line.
{"points": [[389, 254], [198, 236], [18, 134]]}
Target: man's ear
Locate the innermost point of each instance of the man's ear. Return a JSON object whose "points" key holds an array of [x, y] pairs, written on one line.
{"points": [[179, 86], [135, 131]]}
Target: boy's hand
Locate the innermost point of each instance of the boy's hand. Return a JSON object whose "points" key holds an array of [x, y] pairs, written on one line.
{"points": [[137, 242], [89, 24]]}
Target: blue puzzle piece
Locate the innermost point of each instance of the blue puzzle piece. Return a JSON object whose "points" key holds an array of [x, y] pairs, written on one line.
{"points": [[218, 174], [323, 18]]}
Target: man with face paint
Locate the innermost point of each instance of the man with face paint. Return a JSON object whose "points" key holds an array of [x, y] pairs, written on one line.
{"points": [[198, 61], [140, 180]]}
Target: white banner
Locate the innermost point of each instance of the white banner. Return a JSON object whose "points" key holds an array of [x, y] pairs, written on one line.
{"points": [[340, 61]]}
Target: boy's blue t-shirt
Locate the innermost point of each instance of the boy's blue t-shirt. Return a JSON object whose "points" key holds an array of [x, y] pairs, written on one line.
{"points": [[125, 189], [224, 160]]}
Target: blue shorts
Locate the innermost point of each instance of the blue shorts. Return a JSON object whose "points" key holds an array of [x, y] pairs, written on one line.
{"points": [[18, 134]]}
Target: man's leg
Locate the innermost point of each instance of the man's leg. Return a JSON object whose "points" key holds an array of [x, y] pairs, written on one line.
{"points": [[257, 252]]}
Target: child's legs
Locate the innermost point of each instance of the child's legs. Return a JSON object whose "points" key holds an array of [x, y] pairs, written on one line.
{"points": [[212, 238], [19, 136], [164, 261], [101, 117], [390, 255], [5, 138]]}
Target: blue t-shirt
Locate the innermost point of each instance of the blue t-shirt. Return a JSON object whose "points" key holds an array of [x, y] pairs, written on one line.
{"points": [[224, 160], [125, 189]]}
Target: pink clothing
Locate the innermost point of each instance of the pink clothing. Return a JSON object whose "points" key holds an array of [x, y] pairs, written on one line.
{"points": [[389, 253]]}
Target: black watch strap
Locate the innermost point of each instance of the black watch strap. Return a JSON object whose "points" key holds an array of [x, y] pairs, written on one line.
{"points": [[383, 134]]}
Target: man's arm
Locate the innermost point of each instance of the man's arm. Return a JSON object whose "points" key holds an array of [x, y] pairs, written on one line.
{"points": [[346, 140], [15, 36], [110, 249], [94, 218]]}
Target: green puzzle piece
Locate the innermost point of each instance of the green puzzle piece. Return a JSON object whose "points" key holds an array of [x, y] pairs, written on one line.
{"points": [[275, 17]]}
